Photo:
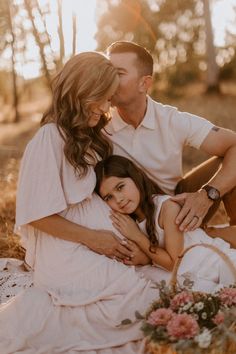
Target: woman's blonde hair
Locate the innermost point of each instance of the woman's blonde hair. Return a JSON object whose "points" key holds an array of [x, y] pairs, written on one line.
{"points": [[85, 80]]}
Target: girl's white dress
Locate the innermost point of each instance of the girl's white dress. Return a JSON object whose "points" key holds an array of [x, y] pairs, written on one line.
{"points": [[79, 298], [202, 265]]}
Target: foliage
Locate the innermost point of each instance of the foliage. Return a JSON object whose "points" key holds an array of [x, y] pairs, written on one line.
{"points": [[173, 31]]}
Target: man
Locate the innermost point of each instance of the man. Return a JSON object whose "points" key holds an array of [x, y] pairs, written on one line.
{"points": [[153, 136]]}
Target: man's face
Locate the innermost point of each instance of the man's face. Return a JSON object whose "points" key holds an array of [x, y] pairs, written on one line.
{"points": [[129, 87]]}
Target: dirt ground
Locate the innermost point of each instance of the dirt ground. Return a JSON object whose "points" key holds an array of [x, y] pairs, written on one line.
{"points": [[220, 109]]}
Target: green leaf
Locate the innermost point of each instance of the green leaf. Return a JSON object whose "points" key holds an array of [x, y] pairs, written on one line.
{"points": [[125, 322], [138, 315]]}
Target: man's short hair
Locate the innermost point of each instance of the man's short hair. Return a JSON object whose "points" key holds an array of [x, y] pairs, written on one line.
{"points": [[144, 58]]}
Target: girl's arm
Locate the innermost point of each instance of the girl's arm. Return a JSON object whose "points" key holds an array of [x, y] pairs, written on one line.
{"points": [[173, 237], [99, 241], [139, 258]]}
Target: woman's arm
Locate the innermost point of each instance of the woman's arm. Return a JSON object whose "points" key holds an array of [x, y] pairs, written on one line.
{"points": [[173, 237], [99, 241]]}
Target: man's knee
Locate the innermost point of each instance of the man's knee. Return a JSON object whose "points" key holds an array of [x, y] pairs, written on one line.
{"points": [[229, 201], [198, 176]]}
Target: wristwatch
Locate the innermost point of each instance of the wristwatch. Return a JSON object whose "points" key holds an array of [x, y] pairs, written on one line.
{"points": [[212, 192]]}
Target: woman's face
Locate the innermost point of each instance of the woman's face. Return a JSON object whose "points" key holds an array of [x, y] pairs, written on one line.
{"points": [[98, 109], [121, 194]]}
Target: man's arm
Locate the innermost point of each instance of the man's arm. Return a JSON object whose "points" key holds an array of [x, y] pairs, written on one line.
{"points": [[219, 142]]}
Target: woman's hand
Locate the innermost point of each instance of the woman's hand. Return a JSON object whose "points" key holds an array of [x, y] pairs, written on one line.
{"points": [[111, 246], [100, 241], [125, 225]]}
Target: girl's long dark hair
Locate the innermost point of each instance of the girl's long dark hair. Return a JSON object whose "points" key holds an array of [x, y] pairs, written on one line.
{"points": [[119, 166]]}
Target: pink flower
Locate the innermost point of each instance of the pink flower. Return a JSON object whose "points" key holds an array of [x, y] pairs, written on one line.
{"points": [[160, 317], [228, 296], [182, 326], [181, 299], [219, 318]]}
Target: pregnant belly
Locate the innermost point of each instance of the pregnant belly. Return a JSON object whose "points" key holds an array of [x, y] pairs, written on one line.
{"points": [[66, 266], [92, 213]]}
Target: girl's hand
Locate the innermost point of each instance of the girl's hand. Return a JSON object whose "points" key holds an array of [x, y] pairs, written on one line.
{"points": [[125, 225], [138, 256]]}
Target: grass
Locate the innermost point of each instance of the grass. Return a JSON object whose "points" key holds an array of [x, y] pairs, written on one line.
{"points": [[220, 109]]}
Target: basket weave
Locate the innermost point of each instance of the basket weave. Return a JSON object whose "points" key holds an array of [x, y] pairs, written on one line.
{"points": [[155, 348], [230, 345]]}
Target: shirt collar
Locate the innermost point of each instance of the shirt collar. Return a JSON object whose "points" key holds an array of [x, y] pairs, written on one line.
{"points": [[149, 118], [147, 122], [116, 120]]}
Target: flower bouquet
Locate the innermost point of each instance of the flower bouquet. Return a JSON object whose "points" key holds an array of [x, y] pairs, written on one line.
{"points": [[184, 321]]}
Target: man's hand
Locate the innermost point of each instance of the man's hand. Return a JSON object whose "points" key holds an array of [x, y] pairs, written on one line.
{"points": [[194, 207], [110, 245]]}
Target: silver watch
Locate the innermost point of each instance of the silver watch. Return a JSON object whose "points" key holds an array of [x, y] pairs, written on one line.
{"points": [[212, 192]]}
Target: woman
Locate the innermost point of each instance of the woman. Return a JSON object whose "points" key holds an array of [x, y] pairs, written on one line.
{"points": [[79, 297]]}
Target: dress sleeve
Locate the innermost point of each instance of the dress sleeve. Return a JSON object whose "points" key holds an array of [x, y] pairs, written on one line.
{"points": [[48, 183], [40, 191]]}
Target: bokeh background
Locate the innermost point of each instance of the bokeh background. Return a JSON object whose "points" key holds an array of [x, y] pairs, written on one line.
{"points": [[193, 43]]}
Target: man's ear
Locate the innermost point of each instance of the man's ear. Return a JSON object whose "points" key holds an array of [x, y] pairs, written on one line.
{"points": [[145, 83]]}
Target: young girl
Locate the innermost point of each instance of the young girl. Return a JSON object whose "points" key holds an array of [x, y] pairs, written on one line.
{"points": [[138, 210]]}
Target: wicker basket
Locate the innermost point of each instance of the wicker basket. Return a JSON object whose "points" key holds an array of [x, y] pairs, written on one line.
{"points": [[230, 345]]}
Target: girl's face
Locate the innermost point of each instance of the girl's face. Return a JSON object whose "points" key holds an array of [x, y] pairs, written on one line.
{"points": [[121, 194]]}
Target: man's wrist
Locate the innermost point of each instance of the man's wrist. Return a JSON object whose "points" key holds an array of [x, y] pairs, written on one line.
{"points": [[212, 193]]}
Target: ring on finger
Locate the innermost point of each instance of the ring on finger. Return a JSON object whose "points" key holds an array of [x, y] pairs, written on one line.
{"points": [[198, 217]]}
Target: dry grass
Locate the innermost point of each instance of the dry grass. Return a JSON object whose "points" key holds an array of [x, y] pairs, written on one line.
{"points": [[9, 242], [220, 109], [13, 139]]}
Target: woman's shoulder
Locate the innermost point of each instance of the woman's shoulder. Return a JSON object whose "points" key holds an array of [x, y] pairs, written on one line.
{"points": [[50, 129], [47, 132]]}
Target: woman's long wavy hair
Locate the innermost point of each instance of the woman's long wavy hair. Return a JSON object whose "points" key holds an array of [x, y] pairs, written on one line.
{"points": [[121, 167], [84, 81]]}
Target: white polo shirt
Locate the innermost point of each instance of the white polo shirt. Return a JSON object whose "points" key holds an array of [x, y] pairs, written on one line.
{"points": [[156, 145]]}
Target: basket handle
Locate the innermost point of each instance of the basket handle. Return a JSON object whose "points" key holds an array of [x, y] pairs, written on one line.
{"points": [[173, 280]]}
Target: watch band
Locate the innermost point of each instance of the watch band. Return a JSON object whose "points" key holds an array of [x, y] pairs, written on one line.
{"points": [[212, 192]]}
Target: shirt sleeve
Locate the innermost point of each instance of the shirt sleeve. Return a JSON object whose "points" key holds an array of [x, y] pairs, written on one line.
{"points": [[190, 128]]}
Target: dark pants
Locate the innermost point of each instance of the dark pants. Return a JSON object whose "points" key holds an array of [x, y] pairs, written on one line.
{"points": [[199, 176]]}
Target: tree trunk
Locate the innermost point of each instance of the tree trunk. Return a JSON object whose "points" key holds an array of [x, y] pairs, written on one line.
{"points": [[74, 33], [212, 67], [28, 6], [60, 33], [13, 62]]}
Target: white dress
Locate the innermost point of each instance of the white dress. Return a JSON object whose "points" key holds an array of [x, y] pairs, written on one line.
{"points": [[202, 265], [79, 297]]}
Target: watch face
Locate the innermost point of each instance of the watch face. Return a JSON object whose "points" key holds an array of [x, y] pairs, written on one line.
{"points": [[213, 194]]}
